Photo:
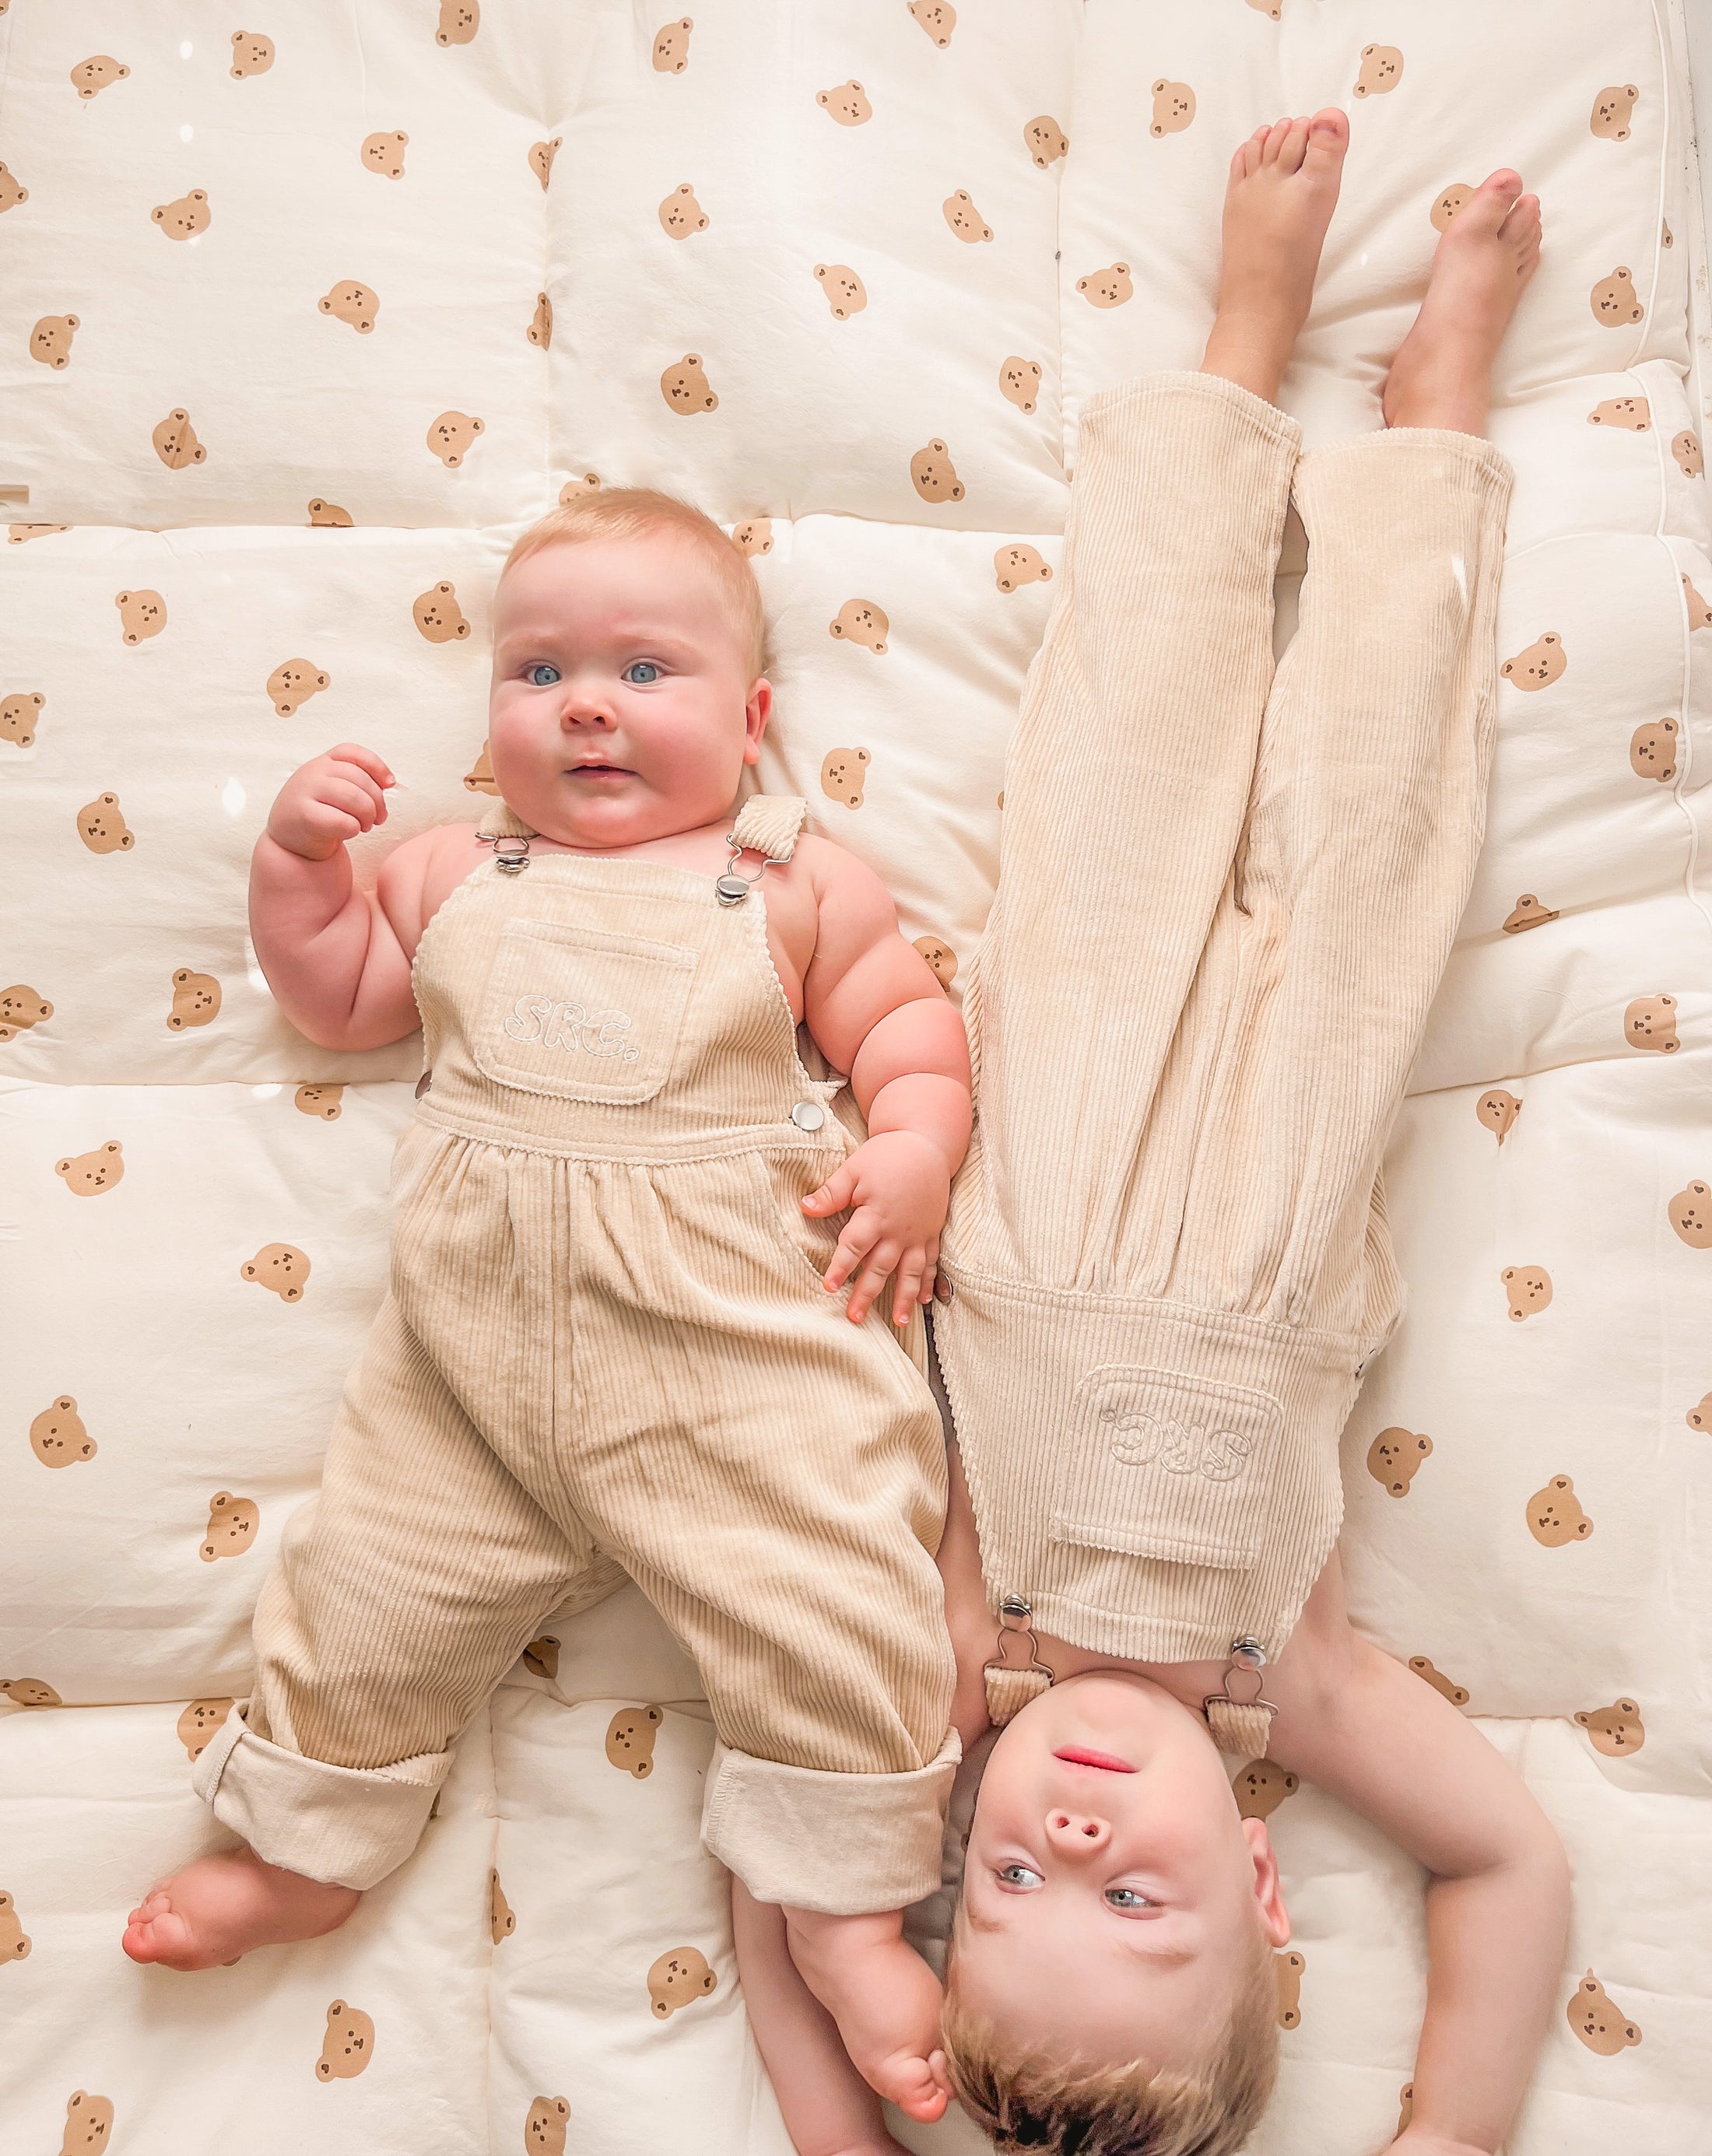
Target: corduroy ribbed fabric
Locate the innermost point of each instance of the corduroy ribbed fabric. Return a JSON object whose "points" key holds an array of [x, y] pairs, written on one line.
{"points": [[1225, 898], [607, 1350]]}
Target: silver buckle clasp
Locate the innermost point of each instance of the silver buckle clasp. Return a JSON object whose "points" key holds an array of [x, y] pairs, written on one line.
{"points": [[732, 889], [513, 862], [1016, 1618], [1247, 1658]]}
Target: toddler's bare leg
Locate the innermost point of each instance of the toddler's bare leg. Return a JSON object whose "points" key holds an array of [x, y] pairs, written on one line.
{"points": [[1283, 188], [1442, 376]]}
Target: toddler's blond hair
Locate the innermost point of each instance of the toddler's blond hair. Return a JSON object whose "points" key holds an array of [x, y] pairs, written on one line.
{"points": [[640, 512], [1033, 2102]]}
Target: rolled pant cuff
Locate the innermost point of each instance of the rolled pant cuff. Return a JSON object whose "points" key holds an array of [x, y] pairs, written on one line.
{"points": [[349, 1826], [843, 1844]]}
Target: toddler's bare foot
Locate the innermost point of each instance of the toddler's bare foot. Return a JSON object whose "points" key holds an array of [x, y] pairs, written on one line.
{"points": [[1442, 376], [1284, 182], [221, 1905]]}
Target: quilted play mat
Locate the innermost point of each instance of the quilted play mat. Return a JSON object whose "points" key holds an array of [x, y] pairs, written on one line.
{"points": [[306, 310]]}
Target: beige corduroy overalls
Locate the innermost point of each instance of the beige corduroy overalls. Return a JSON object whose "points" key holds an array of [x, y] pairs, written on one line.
{"points": [[1226, 895], [608, 1350]]}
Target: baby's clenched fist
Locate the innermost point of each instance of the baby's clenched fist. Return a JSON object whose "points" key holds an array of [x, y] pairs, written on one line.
{"points": [[329, 800]]}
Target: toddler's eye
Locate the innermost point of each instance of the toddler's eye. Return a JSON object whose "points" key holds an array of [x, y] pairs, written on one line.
{"points": [[648, 666], [1020, 1877], [1127, 1899], [533, 676]]}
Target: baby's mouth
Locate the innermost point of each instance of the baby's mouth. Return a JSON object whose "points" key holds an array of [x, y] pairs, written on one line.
{"points": [[599, 771]]}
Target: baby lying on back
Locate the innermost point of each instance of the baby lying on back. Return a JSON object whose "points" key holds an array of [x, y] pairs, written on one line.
{"points": [[624, 1335]]}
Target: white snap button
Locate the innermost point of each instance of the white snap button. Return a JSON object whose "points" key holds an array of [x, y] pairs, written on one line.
{"points": [[808, 1115]]}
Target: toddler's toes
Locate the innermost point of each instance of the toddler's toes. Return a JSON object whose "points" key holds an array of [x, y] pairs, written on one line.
{"points": [[1492, 202], [1328, 139], [1294, 147]]}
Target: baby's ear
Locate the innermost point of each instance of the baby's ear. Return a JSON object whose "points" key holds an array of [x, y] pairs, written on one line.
{"points": [[758, 710]]}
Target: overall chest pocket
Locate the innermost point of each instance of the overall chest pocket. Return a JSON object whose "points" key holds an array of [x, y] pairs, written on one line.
{"points": [[582, 1014], [1163, 1465]]}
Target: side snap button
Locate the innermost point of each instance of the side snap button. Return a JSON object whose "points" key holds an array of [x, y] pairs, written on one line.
{"points": [[808, 1115]]}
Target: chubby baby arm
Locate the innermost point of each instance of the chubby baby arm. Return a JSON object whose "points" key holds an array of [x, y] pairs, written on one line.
{"points": [[332, 954], [876, 1010]]}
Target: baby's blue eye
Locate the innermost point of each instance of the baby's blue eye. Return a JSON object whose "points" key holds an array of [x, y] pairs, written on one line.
{"points": [[653, 672], [1020, 1876], [536, 671]]}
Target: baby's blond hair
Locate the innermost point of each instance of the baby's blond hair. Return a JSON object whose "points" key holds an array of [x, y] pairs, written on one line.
{"points": [[639, 512], [1031, 2100]]}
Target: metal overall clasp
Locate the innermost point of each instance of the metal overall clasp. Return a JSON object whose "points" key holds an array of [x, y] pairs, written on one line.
{"points": [[513, 862], [1011, 1685], [1247, 1658], [733, 889]]}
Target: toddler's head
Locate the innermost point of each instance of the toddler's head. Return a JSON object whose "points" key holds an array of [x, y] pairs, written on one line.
{"points": [[1110, 1987], [628, 658]]}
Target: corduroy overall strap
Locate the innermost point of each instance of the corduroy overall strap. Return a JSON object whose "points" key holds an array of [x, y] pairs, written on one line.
{"points": [[770, 823]]}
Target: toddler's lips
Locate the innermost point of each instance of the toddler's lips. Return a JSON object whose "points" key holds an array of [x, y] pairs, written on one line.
{"points": [[599, 771], [1078, 1755]]}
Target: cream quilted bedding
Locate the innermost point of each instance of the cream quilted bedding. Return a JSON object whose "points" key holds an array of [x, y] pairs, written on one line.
{"points": [[300, 324]]}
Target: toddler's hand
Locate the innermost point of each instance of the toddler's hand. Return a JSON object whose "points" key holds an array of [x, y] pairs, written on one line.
{"points": [[885, 2001], [921, 2088], [331, 799], [897, 1187]]}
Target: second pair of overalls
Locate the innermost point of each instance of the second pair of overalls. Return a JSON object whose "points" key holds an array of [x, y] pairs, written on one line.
{"points": [[608, 1350], [1226, 895]]}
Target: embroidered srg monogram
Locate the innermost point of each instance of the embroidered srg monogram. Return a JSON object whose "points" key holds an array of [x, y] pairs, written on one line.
{"points": [[1141, 1440], [569, 1026]]}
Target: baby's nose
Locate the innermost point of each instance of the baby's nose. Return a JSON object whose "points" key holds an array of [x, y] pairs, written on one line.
{"points": [[1074, 1834]]}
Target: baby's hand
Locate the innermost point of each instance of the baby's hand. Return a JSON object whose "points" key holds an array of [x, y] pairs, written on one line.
{"points": [[898, 1187], [332, 799]]}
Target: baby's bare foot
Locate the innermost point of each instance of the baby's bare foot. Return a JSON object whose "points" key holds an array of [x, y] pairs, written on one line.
{"points": [[1283, 188], [1442, 376], [221, 1905]]}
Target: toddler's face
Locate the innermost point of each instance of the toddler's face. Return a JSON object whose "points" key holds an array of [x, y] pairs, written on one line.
{"points": [[620, 709], [1111, 1890]]}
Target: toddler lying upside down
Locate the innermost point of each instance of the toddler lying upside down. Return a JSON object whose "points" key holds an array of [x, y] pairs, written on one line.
{"points": [[1192, 1018]]}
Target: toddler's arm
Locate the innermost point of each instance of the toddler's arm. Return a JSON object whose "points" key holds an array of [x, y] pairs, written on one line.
{"points": [[1371, 1733], [829, 2109], [332, 955], [884, 1998], [874, 1008]]}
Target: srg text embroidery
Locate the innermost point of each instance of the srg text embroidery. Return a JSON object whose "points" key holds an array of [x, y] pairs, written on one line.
{"points": [[569, 1026], [1141, 1440]]}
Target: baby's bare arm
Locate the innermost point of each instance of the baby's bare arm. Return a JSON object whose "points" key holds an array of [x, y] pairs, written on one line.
{"points": [[336, 959], [829, 2109], [876, 1010], [875, 1006], [1367, 1730]]}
